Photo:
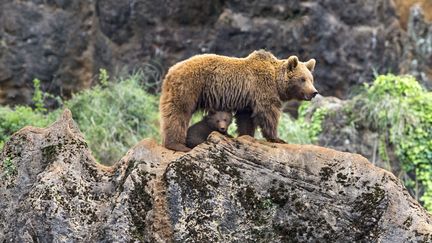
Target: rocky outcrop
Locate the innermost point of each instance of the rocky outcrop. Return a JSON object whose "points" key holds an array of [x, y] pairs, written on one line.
{"points": [[225, 190], [64, 43]]}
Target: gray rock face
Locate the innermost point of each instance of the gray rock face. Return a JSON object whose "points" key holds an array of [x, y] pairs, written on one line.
{"points": [[64, 43], [225, 190], [419, 53], [49, 40]]}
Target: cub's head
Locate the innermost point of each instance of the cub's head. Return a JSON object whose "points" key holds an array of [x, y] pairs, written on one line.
{"points": [[219, 120], [296, 80]]}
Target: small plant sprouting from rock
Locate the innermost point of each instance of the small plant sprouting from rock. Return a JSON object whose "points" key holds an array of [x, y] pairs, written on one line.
{"points": [[103, 77], [9, 167]]}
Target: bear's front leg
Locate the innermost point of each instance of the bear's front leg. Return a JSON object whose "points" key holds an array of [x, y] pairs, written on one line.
{"points": [[268, 119], [246, 125]]}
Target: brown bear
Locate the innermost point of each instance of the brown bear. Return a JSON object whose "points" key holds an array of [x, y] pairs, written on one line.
{"points": [[213, 121], [254, 87]]}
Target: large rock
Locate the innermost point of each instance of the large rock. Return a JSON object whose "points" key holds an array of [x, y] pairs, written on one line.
{"points": [[64, 43], [225, 190]]}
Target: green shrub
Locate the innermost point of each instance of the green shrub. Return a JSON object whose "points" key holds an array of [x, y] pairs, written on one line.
{"points": [[293, 131], [305, 129], [400, 110], [115, 115], [38, 97], [11, 120]]}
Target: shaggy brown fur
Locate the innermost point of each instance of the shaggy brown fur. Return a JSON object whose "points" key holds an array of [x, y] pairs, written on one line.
{"points": [[254, 87], [214, 121]]}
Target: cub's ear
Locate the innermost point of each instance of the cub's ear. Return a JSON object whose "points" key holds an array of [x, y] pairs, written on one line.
{"points": [[310, 64], [211, 112], [292, 62]]}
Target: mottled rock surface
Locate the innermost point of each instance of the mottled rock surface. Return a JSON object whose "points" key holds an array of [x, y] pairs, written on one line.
{"points": [[53, 190], [225, 190], [64, 43]]}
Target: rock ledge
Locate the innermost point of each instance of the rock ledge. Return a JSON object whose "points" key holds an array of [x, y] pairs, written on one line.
{"points": [[224, 190]]}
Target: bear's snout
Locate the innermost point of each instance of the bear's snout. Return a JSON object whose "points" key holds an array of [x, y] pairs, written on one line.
{"points": [[222, 129], [311, 95]]}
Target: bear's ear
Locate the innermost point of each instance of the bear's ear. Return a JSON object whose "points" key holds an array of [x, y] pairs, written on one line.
{"points": [[211, 112], [310, 64], [292, 63]]}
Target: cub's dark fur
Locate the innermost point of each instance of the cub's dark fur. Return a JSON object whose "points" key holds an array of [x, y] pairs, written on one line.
{"points": [[214, 121]]}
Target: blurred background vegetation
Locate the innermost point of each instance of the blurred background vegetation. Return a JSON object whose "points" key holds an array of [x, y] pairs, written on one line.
{"points": [[50, 61], [114, 115]]}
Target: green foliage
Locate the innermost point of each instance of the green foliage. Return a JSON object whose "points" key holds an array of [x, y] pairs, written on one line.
{"points": [[292, 131], [304, 130], [115, 115], [196, 117], [38, 97], [314, 125], [11, 120], [401, 111], [382, 149]]}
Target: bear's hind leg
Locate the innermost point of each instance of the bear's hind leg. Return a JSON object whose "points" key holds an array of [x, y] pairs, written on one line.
{"points": [[174, 132], [245, 124]]}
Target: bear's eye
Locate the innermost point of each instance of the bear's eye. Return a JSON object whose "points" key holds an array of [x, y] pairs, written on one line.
{"points": [[224, 120], [302, 80]]}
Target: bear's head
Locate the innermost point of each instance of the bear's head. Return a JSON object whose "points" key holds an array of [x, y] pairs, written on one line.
{"points": [[219, 120], [296, 80]]}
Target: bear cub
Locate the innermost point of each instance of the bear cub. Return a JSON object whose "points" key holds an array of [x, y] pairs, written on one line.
{"points": [[213, 121]]}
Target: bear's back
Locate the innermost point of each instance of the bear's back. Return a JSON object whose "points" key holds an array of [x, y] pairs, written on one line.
{"points": [[222, 82]]}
